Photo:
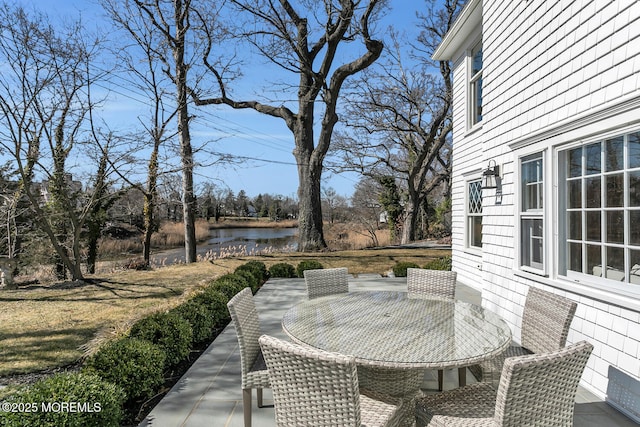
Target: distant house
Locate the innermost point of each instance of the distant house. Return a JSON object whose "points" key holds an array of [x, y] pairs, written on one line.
{"points": [[547, 105], [74, 187]]}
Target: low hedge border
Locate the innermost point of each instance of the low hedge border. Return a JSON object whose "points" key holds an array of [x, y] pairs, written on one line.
{"points": [[132, 369]]}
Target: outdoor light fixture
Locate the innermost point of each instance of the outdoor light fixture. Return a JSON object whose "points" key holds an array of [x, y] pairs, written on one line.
{"points": [[491, 175]]}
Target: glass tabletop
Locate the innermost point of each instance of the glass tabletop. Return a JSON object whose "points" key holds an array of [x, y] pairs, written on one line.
{"points": [[391, 329]]}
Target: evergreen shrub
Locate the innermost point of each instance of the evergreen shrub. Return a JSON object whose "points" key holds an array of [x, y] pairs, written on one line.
{"points": [[249, 275], [91, 401], [258, 268], [133, 364], [310, 264], [230, 284], [169, 331], [216, 304], [400, 269], [282, 269], [443, 263], [199, 318]]}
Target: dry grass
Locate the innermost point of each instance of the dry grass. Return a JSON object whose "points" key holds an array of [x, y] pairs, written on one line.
{"points": [[341, 236], [43, 327]]}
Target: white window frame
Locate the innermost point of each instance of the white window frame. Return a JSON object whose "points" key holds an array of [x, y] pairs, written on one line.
{"points": [[537, 213], [469, 216], [474, 82], [563, 272]]}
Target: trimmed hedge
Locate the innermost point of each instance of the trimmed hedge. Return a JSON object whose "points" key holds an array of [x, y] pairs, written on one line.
{"points": [[258, 268], [216, 304], [200, 319], [92, 402], [169, 331], [282, 269], [252, 280], [133, 364], [127, 371], [229, 284], [400, 269], [310, 264], [443, 263]]}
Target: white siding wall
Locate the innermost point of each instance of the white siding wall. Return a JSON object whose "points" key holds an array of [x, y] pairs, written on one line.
{"points": [[546, 63], [467, 151]]}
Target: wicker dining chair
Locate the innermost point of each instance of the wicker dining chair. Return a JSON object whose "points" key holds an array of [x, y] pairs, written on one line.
{"points": [[545, 325], [534, 390], [316, 388], [432, 283], [326, 281], [254, 371]]}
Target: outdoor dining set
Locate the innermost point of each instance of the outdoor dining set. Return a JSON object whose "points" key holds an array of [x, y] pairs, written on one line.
{"points": [[359, 358]]}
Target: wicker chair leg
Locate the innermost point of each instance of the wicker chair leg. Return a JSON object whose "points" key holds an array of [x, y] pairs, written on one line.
{"points": [[259, 393], [440, 379], [246, 406]]}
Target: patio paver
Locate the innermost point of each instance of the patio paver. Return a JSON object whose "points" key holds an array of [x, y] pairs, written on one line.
{"points": [[209, 393]]}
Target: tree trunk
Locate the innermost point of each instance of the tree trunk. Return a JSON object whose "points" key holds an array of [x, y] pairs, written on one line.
{"points": [[310, 229], [150, 201], [148, 227], [409, 223], [186, 152]]}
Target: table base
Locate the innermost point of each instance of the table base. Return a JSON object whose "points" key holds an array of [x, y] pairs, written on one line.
{"points": [[400, 383]]}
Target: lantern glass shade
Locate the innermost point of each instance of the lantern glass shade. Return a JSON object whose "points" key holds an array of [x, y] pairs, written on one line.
{"points": [[489, 176]]}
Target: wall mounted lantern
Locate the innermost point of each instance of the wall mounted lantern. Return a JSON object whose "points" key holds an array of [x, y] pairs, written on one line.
{"points": [[491, 175]]}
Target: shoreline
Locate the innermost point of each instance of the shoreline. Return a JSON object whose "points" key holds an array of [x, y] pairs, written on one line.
{"points": [[252, 223]]}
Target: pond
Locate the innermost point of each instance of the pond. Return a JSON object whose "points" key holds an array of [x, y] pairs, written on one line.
{"points": [[236, 241]]}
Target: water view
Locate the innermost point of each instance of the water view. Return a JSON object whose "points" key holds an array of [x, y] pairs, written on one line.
{"points": [[236, 241]]}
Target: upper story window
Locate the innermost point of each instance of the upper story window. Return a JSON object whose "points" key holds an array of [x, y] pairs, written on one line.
{"points": [[600, 211], [475, 85], [474, 214]]}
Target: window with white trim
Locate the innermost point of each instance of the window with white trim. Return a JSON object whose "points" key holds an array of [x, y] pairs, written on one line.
{"points": [[599, 185], [475, 85], [474, 214], [532, 213]]}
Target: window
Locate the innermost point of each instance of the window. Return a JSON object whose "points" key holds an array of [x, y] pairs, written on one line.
{"points": [[600, 210], [532, 212], [474, 214], [475, 85]]}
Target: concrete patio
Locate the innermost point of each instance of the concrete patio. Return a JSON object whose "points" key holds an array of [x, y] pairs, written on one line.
{"points": [[209, 393]]}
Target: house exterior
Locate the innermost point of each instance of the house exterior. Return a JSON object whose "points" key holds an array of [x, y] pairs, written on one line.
{"points": [[549, 92]]}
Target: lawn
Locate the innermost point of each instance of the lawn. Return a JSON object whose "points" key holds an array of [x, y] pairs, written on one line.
{"points": [[49, 326]]}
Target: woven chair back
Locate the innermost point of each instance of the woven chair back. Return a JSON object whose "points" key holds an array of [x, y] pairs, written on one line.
{"points": [[546, 321], [245, 319], [431, 283], [311, 387], [326, 281], [540, 389]]}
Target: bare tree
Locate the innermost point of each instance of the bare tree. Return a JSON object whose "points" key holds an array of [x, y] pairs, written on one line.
{"points": [[401, 123], [304, 38], [44, 106], [334, 205], [143, 62], [366, 207], [171, 20]]}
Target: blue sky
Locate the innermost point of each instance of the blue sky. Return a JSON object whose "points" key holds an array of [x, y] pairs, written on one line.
{"points": [[264, 143]]}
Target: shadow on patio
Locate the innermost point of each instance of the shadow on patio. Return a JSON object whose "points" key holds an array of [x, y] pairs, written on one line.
{"points": [[209, 393]]}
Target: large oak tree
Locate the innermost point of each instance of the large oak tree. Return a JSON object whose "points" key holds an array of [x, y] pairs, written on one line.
{"points": [[307, 39]]}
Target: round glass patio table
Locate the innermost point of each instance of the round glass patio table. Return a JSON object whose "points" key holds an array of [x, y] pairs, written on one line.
{"points": [[395, 338]]}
